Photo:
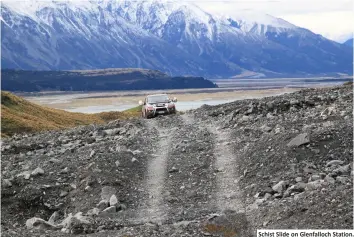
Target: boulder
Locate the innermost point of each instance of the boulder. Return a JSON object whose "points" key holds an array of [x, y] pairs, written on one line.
{"points": [[299, 140], [280, 187], [39, 224]]}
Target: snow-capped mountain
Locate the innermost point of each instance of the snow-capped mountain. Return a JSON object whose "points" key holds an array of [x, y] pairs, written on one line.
{"points": [[349, 42], [175, 37]]}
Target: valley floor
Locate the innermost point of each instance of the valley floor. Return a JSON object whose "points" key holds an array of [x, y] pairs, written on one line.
{"points": [[227, 170]]}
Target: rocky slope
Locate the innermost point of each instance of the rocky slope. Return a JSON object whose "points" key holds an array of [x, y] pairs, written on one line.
{"points": [[175, 37], [276, 162]]}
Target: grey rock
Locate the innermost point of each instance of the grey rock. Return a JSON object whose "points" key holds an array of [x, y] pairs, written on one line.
{"points": [[298, 179], [329, 179], [342, 169], [103, 204], [88, 188], [37, 171], [299, 196], [270, 105], [65, 170], [299, 140], [279, 187], [111, 209], [315, 185], [6, 183], [265, 128], [25, 174], [112, 132], [267, 196], [63, 193], [53, 218], [92, 153], [334, 162], [245, 118], [343, 180], [71, 220], [122, 207], [113, 201], [94, 211], [107, 192], [314, 177], [39, 224], [173, 170], [55, 161], [297, 188]]}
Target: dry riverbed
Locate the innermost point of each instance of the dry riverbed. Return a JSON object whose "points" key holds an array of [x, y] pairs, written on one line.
{"points": [[117, 101]]}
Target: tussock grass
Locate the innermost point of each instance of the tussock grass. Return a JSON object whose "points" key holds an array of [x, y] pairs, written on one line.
{"points": [[21, 116]]}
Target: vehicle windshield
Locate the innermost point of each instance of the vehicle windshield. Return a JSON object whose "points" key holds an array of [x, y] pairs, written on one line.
{"points": [[157, 99]]}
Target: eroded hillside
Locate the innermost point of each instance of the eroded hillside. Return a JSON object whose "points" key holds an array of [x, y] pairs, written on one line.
{"points": [[276, 162]]}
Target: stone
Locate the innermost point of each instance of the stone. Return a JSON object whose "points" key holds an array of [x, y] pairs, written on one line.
{"points": [[103, 204], [25, 174], [329, 179], [279, 187], [94, 211], [63, 193], [134, 160], [55, 161], [75, 224], [314, 185], [53, 218], [117, 163], [314, 177], [245, 118], [65, 170], [267, 196], [342, 170], [265, 128], [113, 201], [6, 183], [92, 153], [122, 207], [299, 196], [107, 192], [334, 162], [298, 179], [39, 224], [111, 209], [299, 140], [173, 170], [343, 180], [37, 171]]}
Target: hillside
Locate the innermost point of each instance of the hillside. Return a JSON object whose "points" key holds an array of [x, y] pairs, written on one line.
{"points": [[282, 162], [175, 37], [97, 80], [21, 116]]}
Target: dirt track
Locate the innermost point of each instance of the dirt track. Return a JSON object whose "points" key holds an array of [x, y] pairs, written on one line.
{"points": [[217, 171]]}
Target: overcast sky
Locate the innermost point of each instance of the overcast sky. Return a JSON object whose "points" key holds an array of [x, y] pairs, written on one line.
{"points": [[330, 18]]}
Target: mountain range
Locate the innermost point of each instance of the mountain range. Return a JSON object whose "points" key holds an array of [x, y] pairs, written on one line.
{"points": [[175, 37], [349, 42]]}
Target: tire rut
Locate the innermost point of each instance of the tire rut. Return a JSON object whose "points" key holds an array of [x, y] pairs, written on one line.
{"points": [[228, 195], [153, 209]]}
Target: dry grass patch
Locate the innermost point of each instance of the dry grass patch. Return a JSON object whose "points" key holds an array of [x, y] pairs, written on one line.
{"points": [[21, 116]]}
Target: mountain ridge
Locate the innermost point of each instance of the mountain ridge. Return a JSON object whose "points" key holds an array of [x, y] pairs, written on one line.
{"points": [[175, 37], [97, 80]]}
